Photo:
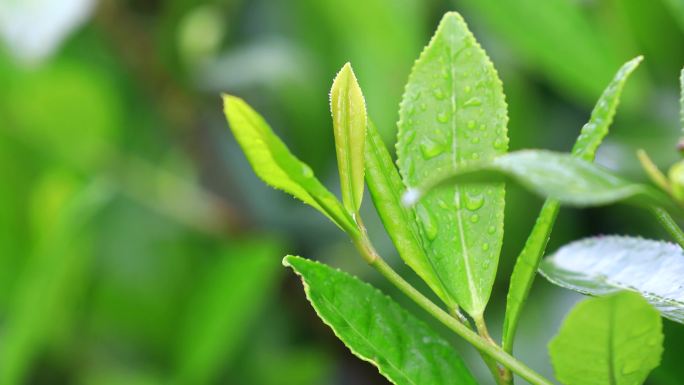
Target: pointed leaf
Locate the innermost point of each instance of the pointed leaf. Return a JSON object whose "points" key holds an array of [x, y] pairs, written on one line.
{"points": [[612, 340], [453, 111], [377, 330], [555, 175], [603, 265], [585, 147], [596, 129], [273, 162], [386, 188], [349, 121]]}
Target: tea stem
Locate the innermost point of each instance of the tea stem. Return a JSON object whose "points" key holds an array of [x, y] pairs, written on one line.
{"points": [[669, 224], [489, 349]]}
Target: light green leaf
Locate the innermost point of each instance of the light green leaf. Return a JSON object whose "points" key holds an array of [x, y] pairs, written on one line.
{"points": [[377, 330], [603, 265], [612, 340], [585, 147], [273, 162], [349, 121], [386, 188], [222, 309], [453, 112], [555, 175], [596, 129]]}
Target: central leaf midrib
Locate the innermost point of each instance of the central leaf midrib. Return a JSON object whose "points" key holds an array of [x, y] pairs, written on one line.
{"points": [[455, 156]]}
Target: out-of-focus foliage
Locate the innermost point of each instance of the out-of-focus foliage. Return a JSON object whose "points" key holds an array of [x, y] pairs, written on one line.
{"points": [[137, 247]]}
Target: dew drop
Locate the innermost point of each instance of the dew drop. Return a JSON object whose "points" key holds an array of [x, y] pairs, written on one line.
{"points": [[474, 218], [430, 149], [467, 89], [491, 229], [499, 144], [472, 102], [475, 156], [473, 202], [475, 140], [471, 124], [307, 172], [631, 367], [423, 106], [439, 93], [485, 247], [443, 117]]}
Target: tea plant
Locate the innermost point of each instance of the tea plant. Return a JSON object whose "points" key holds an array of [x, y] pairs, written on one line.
{"points": [[443, 209]]}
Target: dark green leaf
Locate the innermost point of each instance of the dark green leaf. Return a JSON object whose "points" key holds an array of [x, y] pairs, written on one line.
{"points": [[453, 111], [377, 330], [386, 188], [349, 121], [603, 265], [611, 340], [273, 162]]}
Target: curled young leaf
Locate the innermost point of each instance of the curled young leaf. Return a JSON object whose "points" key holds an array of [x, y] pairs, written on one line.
{"points": [[604, 265], [610, 340], [376, 329], [273, 162], [349, 122], [454, 111], [560, 176]]}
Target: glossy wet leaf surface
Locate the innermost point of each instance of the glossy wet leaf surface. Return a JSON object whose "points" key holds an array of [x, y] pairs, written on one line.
{"points": [[603, 265], [386, 188], [273, 162], [454, 112], [378, 330], [609, 340]]}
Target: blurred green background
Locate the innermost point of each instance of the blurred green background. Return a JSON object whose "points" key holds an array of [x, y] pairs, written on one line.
{"points": [[136, 245]]}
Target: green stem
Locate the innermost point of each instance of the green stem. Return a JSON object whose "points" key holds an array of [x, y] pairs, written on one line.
{"points": [[669, 224], [497, 372], [483, 345]]}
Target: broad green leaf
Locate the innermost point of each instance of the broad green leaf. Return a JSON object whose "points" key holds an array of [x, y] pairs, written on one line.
{"points": [[378, 330], [386, 188], [585, 147], [453, 112], [614, 340], [349, 122], [273, 162], [603, 265], [223, 308], [55, 275], [560, 176]]}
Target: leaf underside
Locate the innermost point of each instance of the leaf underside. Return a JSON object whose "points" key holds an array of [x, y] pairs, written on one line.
{"points": [[603, 265], [378, 330], [614, 340], [453, 111]]}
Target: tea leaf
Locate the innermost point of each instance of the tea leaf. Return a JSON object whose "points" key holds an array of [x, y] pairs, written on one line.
{"points": [[385, 186], [554, 175], [273, 162], [349, 121], [453, 111], [603, 265], [378, 330], [585, 147], [611, 340]]}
